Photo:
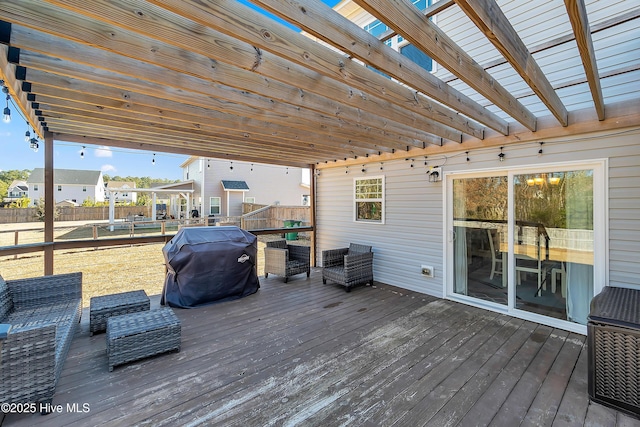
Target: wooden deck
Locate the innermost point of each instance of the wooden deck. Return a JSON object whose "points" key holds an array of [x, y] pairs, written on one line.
{"points": [[303, 353]]}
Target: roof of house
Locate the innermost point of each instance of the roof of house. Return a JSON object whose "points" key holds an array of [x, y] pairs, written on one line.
{"points": [[19, 184], [66, 176], [234, 185], [115, 185]]}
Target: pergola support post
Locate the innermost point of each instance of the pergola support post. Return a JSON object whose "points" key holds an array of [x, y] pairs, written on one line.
{"points": [[49, 203]]}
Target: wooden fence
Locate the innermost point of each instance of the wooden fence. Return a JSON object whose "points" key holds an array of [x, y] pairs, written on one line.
{"points": [[70, 213], [275, 216]]}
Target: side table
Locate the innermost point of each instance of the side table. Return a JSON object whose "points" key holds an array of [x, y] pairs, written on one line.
{"points": [[105, 306], [135, 336], [613, 336]]}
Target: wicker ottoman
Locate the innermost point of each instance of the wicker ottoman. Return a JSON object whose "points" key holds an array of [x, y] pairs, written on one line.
{"points": [[106, 306], [135, 336], [613, 334]]}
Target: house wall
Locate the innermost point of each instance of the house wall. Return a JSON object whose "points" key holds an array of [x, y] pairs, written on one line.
{"points": [[413, 233], [69, 192], [268, 184]]}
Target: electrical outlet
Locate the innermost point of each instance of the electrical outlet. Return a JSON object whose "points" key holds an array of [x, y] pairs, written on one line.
{"points": [[427, 271]]}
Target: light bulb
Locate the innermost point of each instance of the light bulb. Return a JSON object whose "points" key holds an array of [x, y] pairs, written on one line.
{"points": [[27, 136]]}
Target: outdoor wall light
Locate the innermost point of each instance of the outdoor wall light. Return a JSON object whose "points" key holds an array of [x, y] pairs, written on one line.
{"points": [[435, 174]]}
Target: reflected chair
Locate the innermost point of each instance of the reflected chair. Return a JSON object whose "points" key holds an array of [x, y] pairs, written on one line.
{"points": [[527, 264], [348, 266], [286, 260], [559, 271], [497, 265]]}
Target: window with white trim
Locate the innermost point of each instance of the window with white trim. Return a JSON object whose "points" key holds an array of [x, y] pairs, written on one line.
{"points": [[214, 206], [368, 194]]}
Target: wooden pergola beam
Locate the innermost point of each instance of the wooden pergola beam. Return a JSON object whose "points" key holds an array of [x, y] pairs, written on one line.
{"points": [[305, 107], [158, 37], [68, 93], [580, 22], [407, 21], [161, 147], [490, 19], [317, 18], [287, 56]]}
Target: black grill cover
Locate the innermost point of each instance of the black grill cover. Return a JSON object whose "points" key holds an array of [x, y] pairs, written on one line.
{"points": [[207, 265]]}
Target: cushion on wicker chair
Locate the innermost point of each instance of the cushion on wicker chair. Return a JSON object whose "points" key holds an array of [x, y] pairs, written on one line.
{"points": [[348, 266]]}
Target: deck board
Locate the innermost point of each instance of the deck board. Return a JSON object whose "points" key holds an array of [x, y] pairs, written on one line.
{"points": [[303, 353]]}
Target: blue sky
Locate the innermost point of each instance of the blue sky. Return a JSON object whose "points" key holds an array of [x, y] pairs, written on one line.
{"points": [[16, 154]]}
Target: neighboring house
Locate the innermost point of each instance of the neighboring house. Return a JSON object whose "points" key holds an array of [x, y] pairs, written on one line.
{"points": [[121, 191], [17, 190], [68, 184], [564, 212], [220, 186]]}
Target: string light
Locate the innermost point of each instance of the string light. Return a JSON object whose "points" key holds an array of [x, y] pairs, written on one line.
{"points": [[33, 144], [381, 166], [501, 155], [6, 115], [153, 159], [82, 152], [287, 173], [467, 153], [27, 134], [363, 169], [540, 150], [231, 166]]}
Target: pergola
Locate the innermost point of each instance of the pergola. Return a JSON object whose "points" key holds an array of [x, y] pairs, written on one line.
{"points": [[220, 79]]}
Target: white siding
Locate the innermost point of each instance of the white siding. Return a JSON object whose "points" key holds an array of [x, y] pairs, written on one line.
{"points": [[414, 229], [267, 183]]}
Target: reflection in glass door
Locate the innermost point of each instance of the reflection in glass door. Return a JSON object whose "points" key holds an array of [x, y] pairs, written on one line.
{"points": [[480, 209], [548, 267], [553, 243]]}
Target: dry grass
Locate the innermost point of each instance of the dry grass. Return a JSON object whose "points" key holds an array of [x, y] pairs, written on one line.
{"points": [[106, 270]]}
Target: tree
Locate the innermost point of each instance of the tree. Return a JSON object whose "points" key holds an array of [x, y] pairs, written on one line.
{"points": [[22, 202], [40, 211]]}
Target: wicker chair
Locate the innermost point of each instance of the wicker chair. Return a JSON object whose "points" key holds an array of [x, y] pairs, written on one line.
{"points": [[286, 260], [348, 266], [38, 319]]}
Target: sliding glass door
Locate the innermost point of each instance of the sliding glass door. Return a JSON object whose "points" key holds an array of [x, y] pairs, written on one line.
{"points": [[479, 236], [526, 241]]}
